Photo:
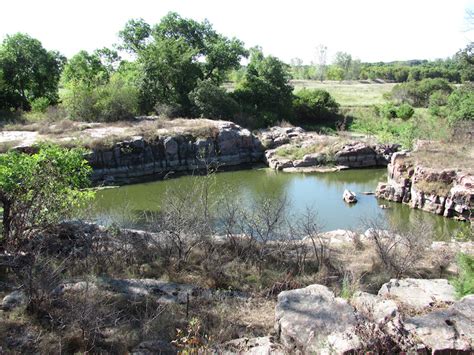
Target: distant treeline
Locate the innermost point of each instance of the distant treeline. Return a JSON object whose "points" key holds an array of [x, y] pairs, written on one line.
{"points": [[178, 68], [457, 69]]}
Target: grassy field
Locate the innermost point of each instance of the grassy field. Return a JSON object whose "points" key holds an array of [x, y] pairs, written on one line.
{"points": [[349, 93]]}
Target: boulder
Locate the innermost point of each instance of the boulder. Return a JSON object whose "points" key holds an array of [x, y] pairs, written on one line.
{"points": [[418, 294], [377, 309], [13, 300], [349, 196], [446, 331], [171, 146], [252, 346], [312, 319]]}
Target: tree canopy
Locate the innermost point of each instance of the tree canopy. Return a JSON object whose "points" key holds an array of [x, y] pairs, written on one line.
{"points": [[28, 72], [175, 54]]}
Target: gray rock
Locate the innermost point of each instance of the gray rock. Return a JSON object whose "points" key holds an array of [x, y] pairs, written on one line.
{"points": [[312, 319], [374, 307], [449, 330], [252, 346], [171, 146], [13, 300], [418, 294], [349, 196], [314, 158]]}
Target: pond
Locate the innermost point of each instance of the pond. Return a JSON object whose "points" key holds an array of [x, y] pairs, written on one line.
{"points": [[322, 192]]}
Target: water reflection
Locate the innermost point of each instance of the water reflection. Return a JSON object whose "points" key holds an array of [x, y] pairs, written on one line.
{"points": [[320, 191]]}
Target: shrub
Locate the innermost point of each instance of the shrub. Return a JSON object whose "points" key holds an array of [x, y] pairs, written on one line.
{"points": [[388, 110], [461, 104], [438, 98], [212, 101], [417, 93], [312, 106], [405, 111], [113, 101], [40, 104], [80, 103], [117, 101], [464, 283]]}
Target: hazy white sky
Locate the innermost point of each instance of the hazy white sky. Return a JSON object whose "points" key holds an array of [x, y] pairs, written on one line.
{"points": [[372, 30]]}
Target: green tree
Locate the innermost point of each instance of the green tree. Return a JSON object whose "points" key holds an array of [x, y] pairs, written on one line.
{"points": [[461, 104], [175, 55], [212, 101], [314, 106], [265, 92], [343, 60], [465, 60], [29, 71], [86, 70], [40, 189]]}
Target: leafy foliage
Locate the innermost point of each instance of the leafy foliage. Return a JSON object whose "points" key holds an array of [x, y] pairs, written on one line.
{"points": [[265, 93], [312, 106], [40, 189], [464, 283], [212, 101], [461, 104], [418, 93], [175, 55], [405, 111], [27, 72]]}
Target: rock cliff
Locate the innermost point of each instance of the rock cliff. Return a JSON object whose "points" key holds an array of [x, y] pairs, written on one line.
{"points": [[139, 159], [443, 191]]}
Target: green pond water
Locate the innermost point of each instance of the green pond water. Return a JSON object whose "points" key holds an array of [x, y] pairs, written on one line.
{"points": [[322, 192]]}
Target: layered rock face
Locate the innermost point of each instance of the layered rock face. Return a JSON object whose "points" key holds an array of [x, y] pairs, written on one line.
{"points": [[139, 159], [446, 192]]}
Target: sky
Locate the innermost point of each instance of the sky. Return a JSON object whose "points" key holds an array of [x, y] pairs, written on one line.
{"points": [[371, 30]]}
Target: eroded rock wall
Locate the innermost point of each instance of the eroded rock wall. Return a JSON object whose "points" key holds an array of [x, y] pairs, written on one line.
{"points": [[138, 159], [446, 192]]}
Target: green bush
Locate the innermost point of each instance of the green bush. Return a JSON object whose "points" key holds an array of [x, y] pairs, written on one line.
{"points": [[388, 110], [113, 101], [461, 104], [212, 101], [40, 104], [417, 93], [265, 94], [80, 103], [464, 283], [313, 106], [405, 111], [117, 101]]}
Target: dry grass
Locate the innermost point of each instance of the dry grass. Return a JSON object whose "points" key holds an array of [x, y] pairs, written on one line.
{"points": [[445, 155], [104, 135], [324, 145]]}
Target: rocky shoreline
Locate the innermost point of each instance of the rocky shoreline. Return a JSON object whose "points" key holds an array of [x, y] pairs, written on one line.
{"points": [[160, 153]]}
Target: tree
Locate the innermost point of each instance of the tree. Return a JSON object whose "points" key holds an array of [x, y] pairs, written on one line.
{"points": [[314, 106], [86, 70], [343, 60], [265, 93], [321, 57], [175, 55], [29, 71], [465, 60], [40, 189]]}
